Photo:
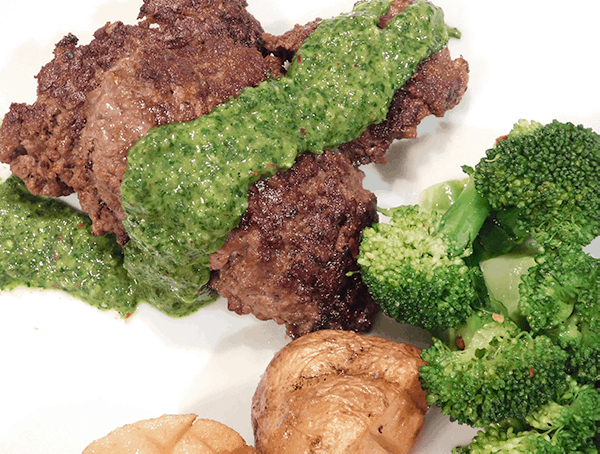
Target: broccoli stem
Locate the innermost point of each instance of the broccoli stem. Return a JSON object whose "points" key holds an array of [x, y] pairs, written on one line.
{"points": [[461, 224], [502, 275]]}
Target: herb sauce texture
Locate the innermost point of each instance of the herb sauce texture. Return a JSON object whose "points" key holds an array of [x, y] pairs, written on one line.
{"points": [[48, 244], [186, 184]]}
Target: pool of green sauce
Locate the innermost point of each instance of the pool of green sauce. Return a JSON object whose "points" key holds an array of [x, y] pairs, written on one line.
{"points": [[186, 184], [48, 244], [45, 243]]}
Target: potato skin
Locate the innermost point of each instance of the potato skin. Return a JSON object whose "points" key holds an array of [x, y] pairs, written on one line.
{"points": [[172, 434], [339, 392]]}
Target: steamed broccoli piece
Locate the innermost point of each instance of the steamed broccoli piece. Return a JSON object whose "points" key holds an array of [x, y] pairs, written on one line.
{"points": [[540, 286], [579, 335], [568, 423], [488, 370], [503, 276], [553, 291], [416, 267], [543, 180], [440, 196], [562, 278]]}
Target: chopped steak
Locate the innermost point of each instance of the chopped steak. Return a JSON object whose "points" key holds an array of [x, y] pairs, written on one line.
{"points": [[94, 101], [293, 257], [288, 259]]}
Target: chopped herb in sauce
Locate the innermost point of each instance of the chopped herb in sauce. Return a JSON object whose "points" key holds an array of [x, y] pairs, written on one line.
{"points": [[48, 244]]}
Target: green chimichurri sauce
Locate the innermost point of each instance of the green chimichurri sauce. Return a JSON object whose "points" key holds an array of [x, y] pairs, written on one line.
{"points": [[47, 244], [186, 184]]}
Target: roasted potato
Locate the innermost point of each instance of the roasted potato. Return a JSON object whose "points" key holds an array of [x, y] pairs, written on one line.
{"points": [[340, 392], [172, 434]]}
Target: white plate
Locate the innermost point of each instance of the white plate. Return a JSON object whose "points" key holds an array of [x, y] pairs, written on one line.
{"points": [[70, 374]]}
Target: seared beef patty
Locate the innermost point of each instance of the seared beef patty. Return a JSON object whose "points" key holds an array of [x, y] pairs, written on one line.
{"points": [[293, 257]]}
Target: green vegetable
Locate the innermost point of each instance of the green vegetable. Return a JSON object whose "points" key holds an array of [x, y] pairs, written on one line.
{"points": [[439, 197], [417, 266], [554, 291], [503, 275], [186, 184], [488, 370], [576, 287], [541, 190], [543, 181], [561, 278], [579, 335], [567, 424]]}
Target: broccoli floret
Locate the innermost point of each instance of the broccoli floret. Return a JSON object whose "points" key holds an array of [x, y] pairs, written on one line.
{"points": [[543, 179], [416, 267], [540, 286], [579, 335], [552, 291], [561, 278], [489, 370], [568, 423]]}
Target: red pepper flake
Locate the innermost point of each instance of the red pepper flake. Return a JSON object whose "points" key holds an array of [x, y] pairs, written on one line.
{"points": [[59, 239], [299, 59], [338, 64], [371, 118], [303, 131], [54, 286], [356, 66], [255, 173], [270, 164], [80, 225], [531, 372], [55, 255], [498, 317], [127, 316], [460, 343]]}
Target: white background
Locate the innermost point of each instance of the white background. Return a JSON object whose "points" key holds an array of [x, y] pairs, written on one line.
{"points": [[70, 374]]}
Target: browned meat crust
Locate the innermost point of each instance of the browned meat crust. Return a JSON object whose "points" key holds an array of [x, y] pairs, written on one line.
{"points": [[438, 86], [288, 259], [94, 101], [285, 46]]}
